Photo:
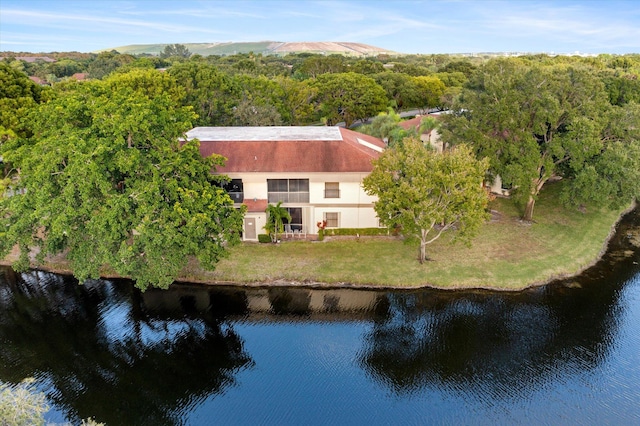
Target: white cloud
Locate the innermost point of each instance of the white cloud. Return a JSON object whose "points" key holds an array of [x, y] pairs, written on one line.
{"points": [[57, 20], [590, 25]]}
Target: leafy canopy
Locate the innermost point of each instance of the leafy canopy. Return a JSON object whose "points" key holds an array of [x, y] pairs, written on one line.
{"points": [[426, 193], [106, 182], [349, 97], [386, 126], [18, 95], [538, 122], [179, 50]]}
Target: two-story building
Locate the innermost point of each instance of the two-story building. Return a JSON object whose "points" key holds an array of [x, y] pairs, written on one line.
{"points": [[316, 172]]}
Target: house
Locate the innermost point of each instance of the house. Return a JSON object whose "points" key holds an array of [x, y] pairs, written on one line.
{"points": [[431, 137], [80, 76], [39, 81], [316, 172]]}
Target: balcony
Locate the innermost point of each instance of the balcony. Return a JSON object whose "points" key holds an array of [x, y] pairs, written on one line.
{"points": [[288, 197], [237, 197]]}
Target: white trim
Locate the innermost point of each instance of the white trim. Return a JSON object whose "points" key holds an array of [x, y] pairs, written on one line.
{"points": [[369, 145], [266, 133]]}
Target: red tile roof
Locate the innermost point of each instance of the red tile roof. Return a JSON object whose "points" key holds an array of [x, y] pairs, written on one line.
{"points": [[256, 206], [38, 80], [415, 122], [32, 59], [289, 149]]}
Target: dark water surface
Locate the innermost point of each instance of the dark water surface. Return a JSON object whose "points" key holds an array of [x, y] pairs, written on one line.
{"points": [[566, 353]]}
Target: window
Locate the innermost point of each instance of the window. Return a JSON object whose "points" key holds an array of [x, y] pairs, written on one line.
{"points": [[332, 219], [332, 190], [288, 190], [296, 218], [235, 190], [278, 185]]}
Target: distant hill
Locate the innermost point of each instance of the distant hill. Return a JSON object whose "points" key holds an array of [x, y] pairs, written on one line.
{"points": [[264, 47]]}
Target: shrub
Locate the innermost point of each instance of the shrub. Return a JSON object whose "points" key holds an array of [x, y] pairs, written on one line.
{"points": [[22, 405], [264, 238], [359, 231]]}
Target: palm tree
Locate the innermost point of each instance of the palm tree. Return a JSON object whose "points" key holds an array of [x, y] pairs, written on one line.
{"points": [[386, 127], [275, 220], [427, 125]]}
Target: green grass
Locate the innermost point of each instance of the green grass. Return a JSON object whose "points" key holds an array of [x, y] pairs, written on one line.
{"points": [[507, 254]]}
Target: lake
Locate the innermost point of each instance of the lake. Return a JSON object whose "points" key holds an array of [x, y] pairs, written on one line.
{"points": [[565, 353]]}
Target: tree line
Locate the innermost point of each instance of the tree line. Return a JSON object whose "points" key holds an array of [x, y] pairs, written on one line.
{"points": [[304, 88], [296, 89], [528, 122]]}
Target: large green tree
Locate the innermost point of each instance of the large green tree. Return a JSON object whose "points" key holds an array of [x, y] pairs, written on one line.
{"points": [[428, 92], [210, 92], [175, 50], [317, 65], [107, 62], [259, 103], [399, 87], [426, 193], [106, 181], [18, 95], [349, 97], [537, 123], [623, 89], [297, 101]]}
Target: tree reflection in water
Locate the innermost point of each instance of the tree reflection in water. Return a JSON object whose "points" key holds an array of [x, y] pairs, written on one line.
{"points": [[100, 349], [492, 346], [165, 357]]}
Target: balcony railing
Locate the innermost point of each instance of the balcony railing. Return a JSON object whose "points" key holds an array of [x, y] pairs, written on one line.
{"points": [[288, 197], [237, 197]]}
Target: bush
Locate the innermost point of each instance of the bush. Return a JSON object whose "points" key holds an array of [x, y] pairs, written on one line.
{"points": [[21, 405], [264, 238], [359, 231]]}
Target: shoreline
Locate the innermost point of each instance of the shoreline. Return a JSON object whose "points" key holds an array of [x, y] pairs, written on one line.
{"points": [[56, 265]]}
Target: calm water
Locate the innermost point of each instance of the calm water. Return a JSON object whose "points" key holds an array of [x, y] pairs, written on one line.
{"points": [[567, 353]]}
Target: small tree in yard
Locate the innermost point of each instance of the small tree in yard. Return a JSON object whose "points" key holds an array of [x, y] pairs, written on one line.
{"points": [[426, 193], [275, 220]]}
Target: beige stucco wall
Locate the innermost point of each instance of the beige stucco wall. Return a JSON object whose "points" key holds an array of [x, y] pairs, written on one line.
{"points": [[260, 220], [496, 187], [354, 206], [433, 139]]}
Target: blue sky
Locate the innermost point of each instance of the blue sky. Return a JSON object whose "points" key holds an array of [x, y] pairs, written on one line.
{"points": [[429, 26]]}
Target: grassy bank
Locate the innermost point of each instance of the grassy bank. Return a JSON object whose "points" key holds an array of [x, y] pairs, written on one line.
{"points": [[508, 254]]}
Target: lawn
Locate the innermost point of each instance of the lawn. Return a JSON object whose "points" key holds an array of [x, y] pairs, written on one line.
{"points": [[508, 254]]}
